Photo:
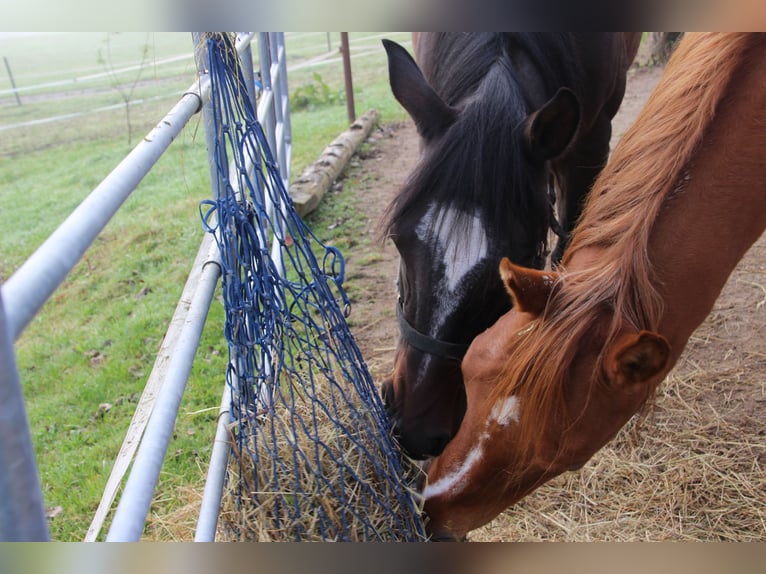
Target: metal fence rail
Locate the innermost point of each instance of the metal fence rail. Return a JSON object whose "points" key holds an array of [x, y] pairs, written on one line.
{"points": [[22, 515]]}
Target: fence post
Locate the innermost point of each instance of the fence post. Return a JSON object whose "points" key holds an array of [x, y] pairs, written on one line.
{"points": [[347, 77], [247, 67], [10, 77], [22, 514]]}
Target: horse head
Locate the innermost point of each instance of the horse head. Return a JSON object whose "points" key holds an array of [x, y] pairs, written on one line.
{"points": [[480, 190], [537, 407]]}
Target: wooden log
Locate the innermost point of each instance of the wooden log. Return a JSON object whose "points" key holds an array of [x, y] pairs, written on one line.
{"points": [[307, 191]]}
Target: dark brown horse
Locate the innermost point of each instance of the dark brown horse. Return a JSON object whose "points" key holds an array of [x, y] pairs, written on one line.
{"points": [[514, 129], [680, 202]]}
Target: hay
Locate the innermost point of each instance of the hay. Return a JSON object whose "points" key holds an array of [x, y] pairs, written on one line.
{"points": [[324, 484], [179, 506]]}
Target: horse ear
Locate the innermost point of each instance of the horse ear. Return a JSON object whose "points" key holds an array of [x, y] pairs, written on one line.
{"points": [[638, 357], [431, 114], [552, 128], [529, 289]]}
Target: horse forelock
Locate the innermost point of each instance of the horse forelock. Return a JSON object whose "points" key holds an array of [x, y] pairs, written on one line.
{"points": [[619, 288]]}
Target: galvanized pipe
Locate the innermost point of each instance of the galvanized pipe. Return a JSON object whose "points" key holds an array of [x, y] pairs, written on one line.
{"points": [[216, 474], [211, 498], [27, 290], [247, 68], [129, 519], [22, 514], [151, 391], [267, 115], [277, 49]]}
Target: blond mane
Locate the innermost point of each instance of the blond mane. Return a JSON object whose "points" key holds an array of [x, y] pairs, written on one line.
{"points": [[645, 168]]}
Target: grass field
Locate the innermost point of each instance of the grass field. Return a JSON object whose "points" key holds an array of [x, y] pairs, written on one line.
{"points": [[84, 360]]}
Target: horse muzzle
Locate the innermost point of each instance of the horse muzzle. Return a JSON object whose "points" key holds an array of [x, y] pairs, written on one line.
{"points": [[418, 442]]}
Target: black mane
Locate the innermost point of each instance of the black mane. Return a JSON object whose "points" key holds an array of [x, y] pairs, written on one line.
{"points": [[481, 162]]}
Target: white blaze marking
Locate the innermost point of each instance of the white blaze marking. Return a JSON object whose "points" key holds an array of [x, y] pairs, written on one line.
{"points": [[502, 413], [456, 480], [461, 249], [460, 253]]}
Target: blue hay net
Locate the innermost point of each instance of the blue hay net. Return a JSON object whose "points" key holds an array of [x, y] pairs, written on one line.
{"points": [[313, 458]]}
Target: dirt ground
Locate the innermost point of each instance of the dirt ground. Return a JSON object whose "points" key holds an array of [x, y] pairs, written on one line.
{"points": [[714, 400]]}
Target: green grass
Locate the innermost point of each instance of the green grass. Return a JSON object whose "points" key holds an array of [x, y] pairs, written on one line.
{"points": [[41, 58], [85, 358], [94, 343], [316, 128]]}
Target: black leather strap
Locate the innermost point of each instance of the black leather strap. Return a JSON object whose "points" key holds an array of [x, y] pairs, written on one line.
{"points": [[427, 344]]}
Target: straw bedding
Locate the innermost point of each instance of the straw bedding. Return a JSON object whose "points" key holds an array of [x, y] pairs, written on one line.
{"points": [[678, 474]]}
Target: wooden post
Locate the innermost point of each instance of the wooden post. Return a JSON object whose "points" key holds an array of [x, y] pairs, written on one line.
{"points": [[316, 180], [347, 77], [13, 83]]}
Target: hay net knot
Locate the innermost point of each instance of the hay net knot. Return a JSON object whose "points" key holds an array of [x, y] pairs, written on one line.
{"points": [[313, 457]]}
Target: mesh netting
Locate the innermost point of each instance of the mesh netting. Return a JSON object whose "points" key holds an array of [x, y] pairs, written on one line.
{"points": [[313, 458]]}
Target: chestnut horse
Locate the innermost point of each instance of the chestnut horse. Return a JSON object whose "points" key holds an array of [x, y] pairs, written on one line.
{"points": [[504, 120], [681, 200]]}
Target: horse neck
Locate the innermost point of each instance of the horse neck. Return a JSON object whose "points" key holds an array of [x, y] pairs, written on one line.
{"points": [[719, 211], [716, 211]]}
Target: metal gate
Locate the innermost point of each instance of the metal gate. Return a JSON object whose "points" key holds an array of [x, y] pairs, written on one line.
{"points": [[22, 515]]}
